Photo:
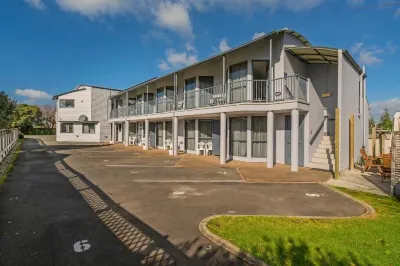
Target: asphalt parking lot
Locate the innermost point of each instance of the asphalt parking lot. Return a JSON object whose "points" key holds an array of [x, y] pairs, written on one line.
{"points": [[172, 200]]}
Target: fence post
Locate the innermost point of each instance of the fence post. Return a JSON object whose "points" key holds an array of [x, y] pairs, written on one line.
{"points": [[373, 141]]}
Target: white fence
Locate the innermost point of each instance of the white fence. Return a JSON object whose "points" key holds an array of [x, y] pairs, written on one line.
{"points": [[383, 144], [8, 138]]}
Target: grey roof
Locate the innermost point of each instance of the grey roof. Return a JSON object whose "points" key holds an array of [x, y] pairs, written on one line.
{"points": [[321, 55], [78, 88], [266, 36]]}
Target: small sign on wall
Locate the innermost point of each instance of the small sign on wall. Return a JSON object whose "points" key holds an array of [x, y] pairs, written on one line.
{"points": [[326, 95]]}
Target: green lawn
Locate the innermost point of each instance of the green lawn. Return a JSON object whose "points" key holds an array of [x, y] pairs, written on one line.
{"points": [[293, 241]]}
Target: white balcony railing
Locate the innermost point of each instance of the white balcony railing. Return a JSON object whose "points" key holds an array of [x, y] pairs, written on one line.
{"points": [[277, 90]]}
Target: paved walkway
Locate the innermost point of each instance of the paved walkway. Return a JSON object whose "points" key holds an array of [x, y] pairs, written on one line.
{"points": [[367, 182]]}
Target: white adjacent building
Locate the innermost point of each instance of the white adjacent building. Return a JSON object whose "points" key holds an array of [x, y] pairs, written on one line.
{"points": [[82, 114], [270, 100]]}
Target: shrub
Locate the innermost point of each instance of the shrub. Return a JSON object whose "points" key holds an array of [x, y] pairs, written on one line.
{"points": [[21, 136], [40, 131]]}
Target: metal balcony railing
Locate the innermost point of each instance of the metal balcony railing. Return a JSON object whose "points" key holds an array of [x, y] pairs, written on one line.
{"points": [[277, 90]]}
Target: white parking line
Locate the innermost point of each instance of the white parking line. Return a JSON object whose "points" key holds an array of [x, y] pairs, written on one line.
{"points": [[185, 181], [140, 165]]}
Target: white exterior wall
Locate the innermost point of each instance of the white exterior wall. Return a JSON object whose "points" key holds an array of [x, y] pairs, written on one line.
{"points": [[279, 121], [83, 106], [293, 66], [349, 106], [77, 135]]}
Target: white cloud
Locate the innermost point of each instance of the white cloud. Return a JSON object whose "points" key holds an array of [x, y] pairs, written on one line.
{"points": [[33, 94], [223, 45], [38, 4], [190, 48], [174, 16], [372, 55], [94, 8], [258, 35], [377, 108], [176, 59], [355, 2]]}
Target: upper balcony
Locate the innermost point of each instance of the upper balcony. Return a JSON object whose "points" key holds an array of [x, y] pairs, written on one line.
{"points": [[291, 88]]}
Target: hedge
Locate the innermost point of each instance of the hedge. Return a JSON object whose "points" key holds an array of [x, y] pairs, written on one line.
{"points": [[40, 131]]}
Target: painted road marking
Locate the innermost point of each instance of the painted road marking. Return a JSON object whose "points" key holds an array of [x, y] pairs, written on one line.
{"points": [[81, 246], [185, 181], [313, 195], [140, 165]]}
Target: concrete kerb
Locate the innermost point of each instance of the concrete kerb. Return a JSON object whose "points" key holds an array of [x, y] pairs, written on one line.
{"points": [[369, 213]]}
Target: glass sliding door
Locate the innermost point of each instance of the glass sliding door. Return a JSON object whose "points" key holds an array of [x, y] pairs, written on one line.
{"points": [[259, 136], [190, 91], [238, 83], [160, 134], [160, 100], [189, 135], [168, 130], [140, 105], [238, 136], [206, 84], [169, 104], [205, 131]]}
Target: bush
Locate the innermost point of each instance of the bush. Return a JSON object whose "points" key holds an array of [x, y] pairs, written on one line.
{"points": [[21, 136], [40, 131]]}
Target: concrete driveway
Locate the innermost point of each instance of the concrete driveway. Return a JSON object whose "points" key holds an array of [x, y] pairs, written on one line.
{"points": [[172, 200]]}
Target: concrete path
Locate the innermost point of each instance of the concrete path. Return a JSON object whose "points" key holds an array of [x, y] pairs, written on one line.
{"points": [[366, 182]]}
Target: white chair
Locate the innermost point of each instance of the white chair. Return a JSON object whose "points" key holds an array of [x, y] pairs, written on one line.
{"points": [[142, 142], [201, 147], [132, 140], [208, 148], [168, 144]]}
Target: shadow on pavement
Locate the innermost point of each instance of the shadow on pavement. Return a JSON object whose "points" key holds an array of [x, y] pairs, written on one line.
{"points": [[147, 245]]}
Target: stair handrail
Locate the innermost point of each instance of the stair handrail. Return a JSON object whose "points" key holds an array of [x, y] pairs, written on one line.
{"points": [[320, 126]]}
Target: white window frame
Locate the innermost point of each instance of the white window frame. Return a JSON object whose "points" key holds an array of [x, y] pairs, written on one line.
{"points": [[65, 132], [88, 124], [65, 102]]}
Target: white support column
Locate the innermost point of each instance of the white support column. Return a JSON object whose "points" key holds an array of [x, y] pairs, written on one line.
{"points": [[113, 133], [249, 143], [307, 139], [197, 98], [270, 75], [146, 134], [223, 151], [270, 139], [228, 136], [164, 134], [295, 141], [126, 133], [196, 134], [175, 135], [249, 80]]}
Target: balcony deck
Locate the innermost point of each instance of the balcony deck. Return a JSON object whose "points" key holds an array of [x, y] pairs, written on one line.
{"points": [[292, 88]]}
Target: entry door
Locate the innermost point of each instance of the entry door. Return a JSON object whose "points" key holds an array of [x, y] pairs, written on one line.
{"points": [[288, 140], [216, 132], [152, 134]]}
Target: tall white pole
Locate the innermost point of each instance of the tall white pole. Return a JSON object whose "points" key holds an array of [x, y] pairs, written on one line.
{"points": [[222, 153], [270, 140], [295, 141]]}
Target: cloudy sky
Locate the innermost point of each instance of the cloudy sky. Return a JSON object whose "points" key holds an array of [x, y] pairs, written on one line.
{"points": [[51, 46]]}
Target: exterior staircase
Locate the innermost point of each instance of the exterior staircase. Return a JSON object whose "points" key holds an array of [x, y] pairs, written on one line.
{"points": [[324, 156]]}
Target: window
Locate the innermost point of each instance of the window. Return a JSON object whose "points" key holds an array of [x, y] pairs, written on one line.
{"points": [[205, 131], [67, 128], [237, 87], [189, 135], [160, 134], [67, 103], [88, 128], [238, 140], [259, 136]]}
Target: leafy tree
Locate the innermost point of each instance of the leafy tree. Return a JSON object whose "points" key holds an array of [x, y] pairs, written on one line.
{"points": [[48, 115], [26, 117], [7, 107], [371, 122], [386, 122]]}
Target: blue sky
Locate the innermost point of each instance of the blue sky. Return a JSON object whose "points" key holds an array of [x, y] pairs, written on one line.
{"points": [[51, 46]]}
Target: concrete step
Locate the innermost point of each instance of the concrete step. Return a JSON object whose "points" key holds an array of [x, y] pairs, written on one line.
{"points": [[322, 166], [326, 146], [323, 160], [324, 155], [324, 151], [329, 138]]}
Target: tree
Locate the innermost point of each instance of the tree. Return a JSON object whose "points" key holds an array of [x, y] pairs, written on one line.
{"points": [[48, 115], [7, 107], [26, 117], [386, 122], [371, 122]]}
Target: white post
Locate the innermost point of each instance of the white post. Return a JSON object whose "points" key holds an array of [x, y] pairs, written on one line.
{"points": [[325, 122], [126, 133], [270, 76], [113, 132], [307, 139], [270, 139], [339, 103], [196, 134], [146, 134], [164, 134], [175, 90], [224, 78], [295, 141], [175, 135], [249, 80], [222, 152], [249, 135]]}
